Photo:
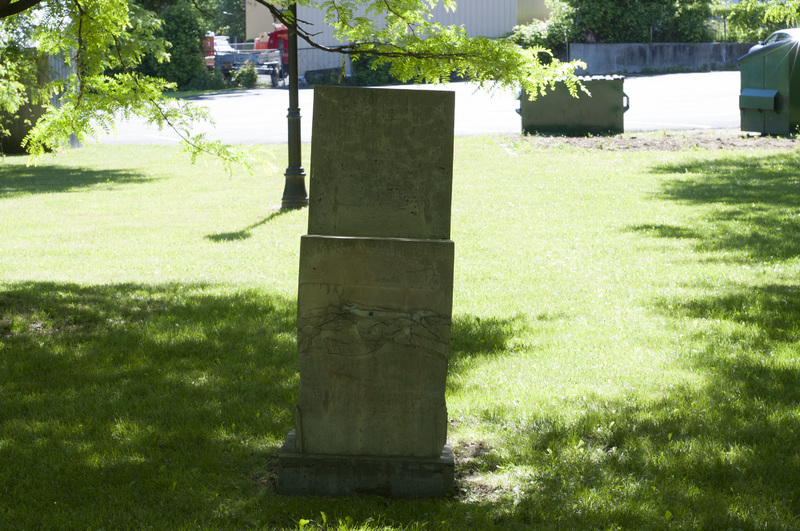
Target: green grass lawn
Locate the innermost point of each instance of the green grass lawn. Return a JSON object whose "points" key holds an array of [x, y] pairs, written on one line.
{"points": [[625, 345]]}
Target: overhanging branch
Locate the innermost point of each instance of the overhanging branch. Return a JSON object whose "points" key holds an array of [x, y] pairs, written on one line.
{"points": [[387, 50], [8, 8]]}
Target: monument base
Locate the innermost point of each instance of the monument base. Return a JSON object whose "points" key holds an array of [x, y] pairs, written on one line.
{"points": [[344, 475]]}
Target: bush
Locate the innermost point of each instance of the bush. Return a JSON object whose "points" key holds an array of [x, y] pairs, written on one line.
{"points": [[325, 76], [182, 30], [208, 80], [246, 76], [365, 73], [612, 21]]}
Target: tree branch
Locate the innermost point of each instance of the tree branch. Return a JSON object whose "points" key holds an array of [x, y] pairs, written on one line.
{"points": [[8, 8], [205, 13], [363, 48], [185, 136]]}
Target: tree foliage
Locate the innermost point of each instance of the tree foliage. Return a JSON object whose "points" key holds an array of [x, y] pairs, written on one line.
{"points": [[17, 71], [401, 34], [183, 25], [228, 19], [754, 20], [613, 21], [182, 31], [104, 42]]}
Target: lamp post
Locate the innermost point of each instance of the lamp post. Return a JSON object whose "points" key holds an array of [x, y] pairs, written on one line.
{"points": [[294, 191]]}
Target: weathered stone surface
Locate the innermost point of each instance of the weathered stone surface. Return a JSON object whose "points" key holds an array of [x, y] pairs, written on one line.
{"points": [[375, 298], [373, 342], [411, 274], [381, 163]]}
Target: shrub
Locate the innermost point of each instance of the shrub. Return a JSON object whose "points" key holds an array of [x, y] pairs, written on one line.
{"points": [[613, 21], [246, 76], [182, 29], [208, 80], [365, 73], [325, 76]]}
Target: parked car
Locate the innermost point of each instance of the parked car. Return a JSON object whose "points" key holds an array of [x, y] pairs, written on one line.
{"points": [[780, 36]]}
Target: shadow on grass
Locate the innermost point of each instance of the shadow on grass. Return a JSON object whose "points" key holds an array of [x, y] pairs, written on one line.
{"points": [[17, 179], [665, 231], [473, 338], [245, 232], [115, 398], [756, 200], [163, 406], [721, 455]]}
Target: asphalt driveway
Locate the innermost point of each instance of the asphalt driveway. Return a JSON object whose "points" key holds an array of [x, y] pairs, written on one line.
{"points": [[707, 100]]}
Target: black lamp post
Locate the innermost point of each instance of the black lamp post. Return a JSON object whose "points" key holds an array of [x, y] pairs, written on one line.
{"points": [[294, 191]]}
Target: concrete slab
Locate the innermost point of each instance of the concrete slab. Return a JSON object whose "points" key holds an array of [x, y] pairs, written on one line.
{"points": [[336, 475]]}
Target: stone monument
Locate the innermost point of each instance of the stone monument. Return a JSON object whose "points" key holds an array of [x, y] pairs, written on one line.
{"points": [[375, 298]]}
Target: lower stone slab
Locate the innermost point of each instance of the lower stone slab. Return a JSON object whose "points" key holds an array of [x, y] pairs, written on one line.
{"points": [[340, 475], [373, 338]]}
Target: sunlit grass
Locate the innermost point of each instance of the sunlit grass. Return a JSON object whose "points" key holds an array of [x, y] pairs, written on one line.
{"points": [[624, 346], [143, 213]]}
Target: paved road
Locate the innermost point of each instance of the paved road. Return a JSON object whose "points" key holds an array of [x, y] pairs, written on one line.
{"points": [[668, 101], [707, 100]]}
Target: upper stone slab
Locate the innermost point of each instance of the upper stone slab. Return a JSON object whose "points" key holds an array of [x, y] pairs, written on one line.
{"points": [[381, 163]]}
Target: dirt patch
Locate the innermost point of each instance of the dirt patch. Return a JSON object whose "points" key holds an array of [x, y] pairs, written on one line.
{"points": [[662, 141], [470, 457], [265, 477]]}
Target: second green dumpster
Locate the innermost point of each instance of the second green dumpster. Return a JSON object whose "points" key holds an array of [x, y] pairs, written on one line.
{"points": [[769, 100], [559, 112]]}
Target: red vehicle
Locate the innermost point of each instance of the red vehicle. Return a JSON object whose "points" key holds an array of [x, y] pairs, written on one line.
{"points": [[215, 45], [279, 40], [208, 50]]}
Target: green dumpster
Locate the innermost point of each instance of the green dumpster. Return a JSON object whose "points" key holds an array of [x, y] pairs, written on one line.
{"points": [[769, 101], [558, 112]]}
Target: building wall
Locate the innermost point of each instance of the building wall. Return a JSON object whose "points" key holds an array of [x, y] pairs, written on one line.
{"points": [[527, 10], [257, 20], [480, 18], [309, 58], [604, 59]]}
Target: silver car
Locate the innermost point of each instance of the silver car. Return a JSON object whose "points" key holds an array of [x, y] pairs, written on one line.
{"points": [[791, 34]]}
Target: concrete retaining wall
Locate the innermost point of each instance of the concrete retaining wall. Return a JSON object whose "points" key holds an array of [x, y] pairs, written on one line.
{"points": [[657, 57]]}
